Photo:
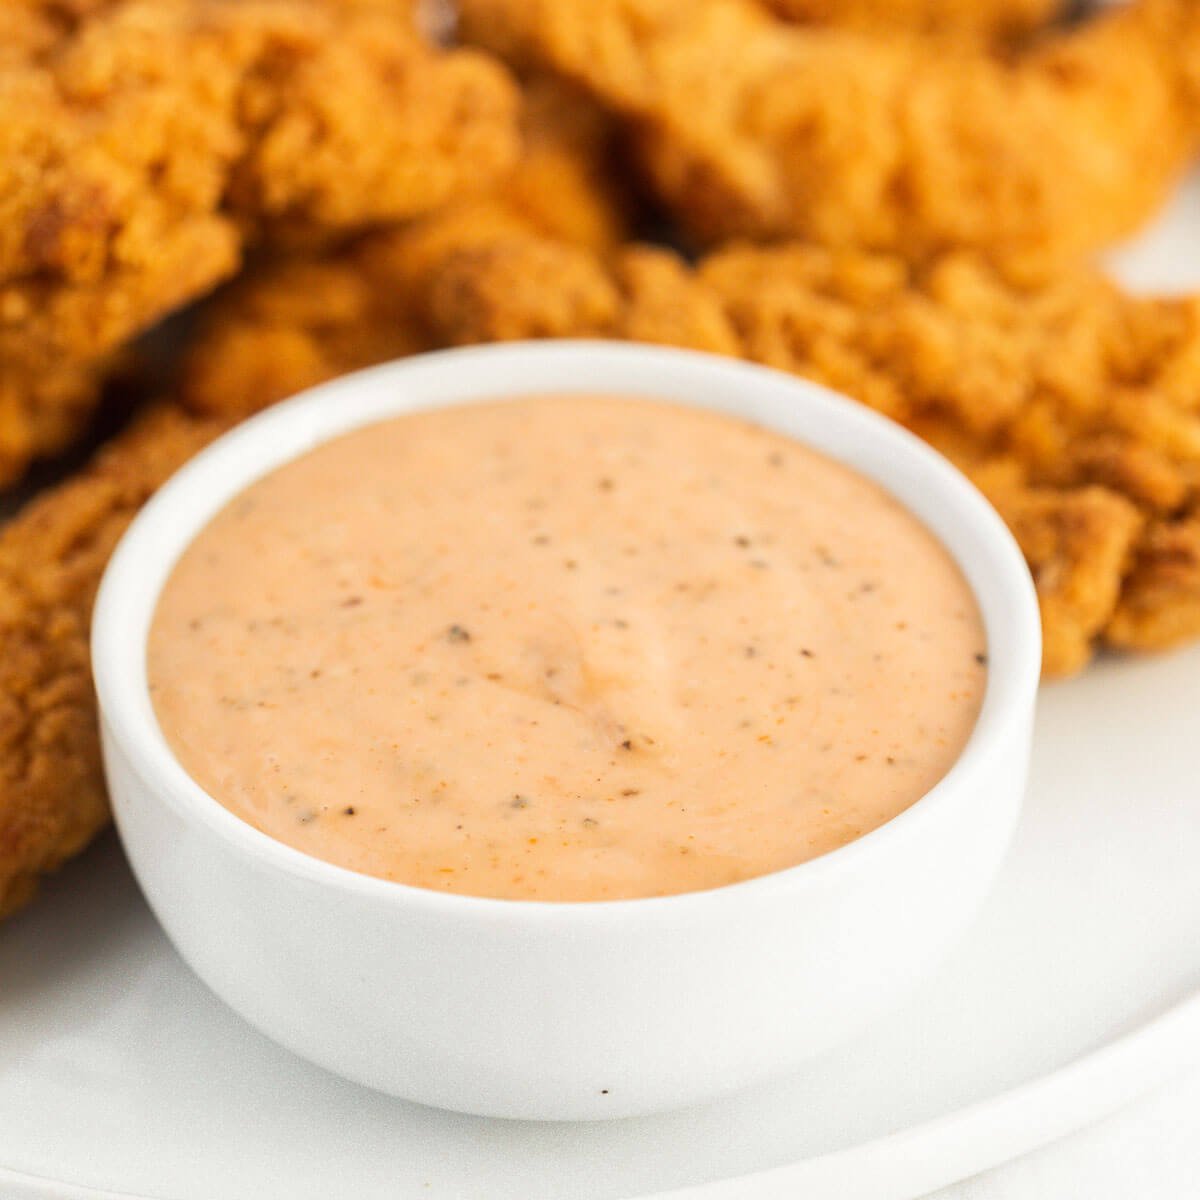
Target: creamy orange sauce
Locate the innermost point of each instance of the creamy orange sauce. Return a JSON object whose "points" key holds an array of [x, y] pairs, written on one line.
{"points": [[566, 648]]}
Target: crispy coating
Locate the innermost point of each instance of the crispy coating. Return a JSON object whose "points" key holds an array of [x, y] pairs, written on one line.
{"points": [[293, 325], [52, 799], [57, 339], [145, 143], [1004, 20], [476, 274], [1160, 602], [44, 413], [1079, 381], [748, 126], [298, 321], [517, 287], [310, 112], [528, 287], [1078, 543], [569, 181]]}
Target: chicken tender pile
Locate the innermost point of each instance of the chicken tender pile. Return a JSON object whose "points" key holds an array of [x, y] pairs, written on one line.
{"points": [[52, 800], [145, 143], [750, 127], [894, 198]]}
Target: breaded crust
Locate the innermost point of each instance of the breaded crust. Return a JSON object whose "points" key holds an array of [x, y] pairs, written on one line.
{"points": [[52, 799], [1004, 20], [299, 320], [749, 126], [144, 144]]}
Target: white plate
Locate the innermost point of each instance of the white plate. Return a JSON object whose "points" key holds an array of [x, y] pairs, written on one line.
{"points": [[1078, 988]]}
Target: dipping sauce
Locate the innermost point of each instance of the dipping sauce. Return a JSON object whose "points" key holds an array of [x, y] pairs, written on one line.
{"points": [[566, 648]]}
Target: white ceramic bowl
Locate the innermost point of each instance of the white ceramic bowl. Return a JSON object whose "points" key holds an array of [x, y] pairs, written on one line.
{"points": [[539, 1010]]}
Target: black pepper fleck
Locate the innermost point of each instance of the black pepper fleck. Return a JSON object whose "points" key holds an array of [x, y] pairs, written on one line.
{"points": [[456, 633]]}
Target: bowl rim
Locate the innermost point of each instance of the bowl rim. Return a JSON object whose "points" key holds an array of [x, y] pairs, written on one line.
{"points": [[173, 517]]}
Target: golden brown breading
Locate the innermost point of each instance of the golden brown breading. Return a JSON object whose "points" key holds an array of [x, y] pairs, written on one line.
{"points": [[56, 338], [525, 286], [664, 305], [1049, 368], [568, 182], [30, 29], [298, 321], [749, 126], [1160, 602], [52, 798], [476, 274], [517, 287], [161, 112], [1078, 543], [143, 143], [293, 325], [1003, 20]]}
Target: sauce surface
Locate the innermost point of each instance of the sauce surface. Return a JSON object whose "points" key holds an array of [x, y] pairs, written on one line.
{"points": [[566, 648]]}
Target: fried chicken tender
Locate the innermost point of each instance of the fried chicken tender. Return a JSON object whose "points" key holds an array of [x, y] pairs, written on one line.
{"points": [[145, 143], [569, 181], [293, 325], [747, 126], [57, 339], [648, 295], [1160, 602], [1079, 543], [475, 275], [299, 321], [1002, 20], [52, 799]]}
